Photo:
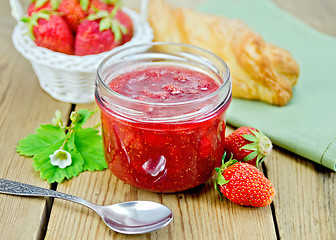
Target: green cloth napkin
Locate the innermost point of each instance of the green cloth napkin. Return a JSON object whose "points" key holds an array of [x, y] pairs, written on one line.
{"points": [[307, 124]]}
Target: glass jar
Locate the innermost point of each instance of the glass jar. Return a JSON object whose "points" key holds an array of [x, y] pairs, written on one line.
{"points": [[163, 146]]}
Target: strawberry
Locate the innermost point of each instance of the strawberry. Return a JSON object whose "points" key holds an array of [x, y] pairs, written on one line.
{"points": [[38, 5], [48, 29], [90, 40], [244, 184], [126, 21], [249, 145], [106, 5], [123, 18], [74, 11], [35, 7], [99, 33]]}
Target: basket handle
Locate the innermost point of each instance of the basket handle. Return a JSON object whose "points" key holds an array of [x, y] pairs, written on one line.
{"points": [[17, 10], [144, 9]]}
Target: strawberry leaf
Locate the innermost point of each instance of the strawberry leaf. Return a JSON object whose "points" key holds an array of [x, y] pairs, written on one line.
{"points": [[116, 30], [40, 3], [260, 159], [89, 144], [105, 24], [98, 15], [54, 173], [251, 146], [83, 145], [251, 156], [35, 143], [80, 117], [221, 180], [55, 4], [84, 4], [218, 190], [250, 137]]}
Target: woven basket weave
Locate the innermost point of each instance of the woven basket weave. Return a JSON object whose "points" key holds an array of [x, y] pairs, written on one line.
{"points": [[70, 78]]}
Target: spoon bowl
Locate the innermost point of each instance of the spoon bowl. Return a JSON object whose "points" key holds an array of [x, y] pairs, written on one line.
{"points": [[134, 217]]}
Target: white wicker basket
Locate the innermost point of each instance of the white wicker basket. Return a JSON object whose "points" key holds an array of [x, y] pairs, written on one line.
{"points": [[69, 78]]}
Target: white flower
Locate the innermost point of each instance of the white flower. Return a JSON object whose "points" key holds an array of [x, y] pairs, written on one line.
{"points": [[60, 158]]}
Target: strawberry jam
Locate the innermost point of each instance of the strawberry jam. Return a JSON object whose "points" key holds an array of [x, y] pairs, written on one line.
{"points": [[162, 124]]}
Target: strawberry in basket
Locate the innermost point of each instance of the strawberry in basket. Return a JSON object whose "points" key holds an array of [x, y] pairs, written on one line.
{"points": [[49, 29], [79, 27], [38, 5], [101, 32], [74, 11]]}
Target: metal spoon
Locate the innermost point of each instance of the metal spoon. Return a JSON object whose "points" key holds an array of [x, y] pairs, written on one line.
{"points": [[134, 217]]}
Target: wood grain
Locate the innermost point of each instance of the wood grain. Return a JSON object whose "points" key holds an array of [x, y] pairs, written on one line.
{"points": [[23, 105], [305, 201], [303, 208]]}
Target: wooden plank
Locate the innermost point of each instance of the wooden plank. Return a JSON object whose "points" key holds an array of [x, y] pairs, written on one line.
{"points": [[305, 201], [23, 105], [198, 213]]}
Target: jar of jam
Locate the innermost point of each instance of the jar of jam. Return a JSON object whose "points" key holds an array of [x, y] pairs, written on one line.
{"points": [[163, 109]]}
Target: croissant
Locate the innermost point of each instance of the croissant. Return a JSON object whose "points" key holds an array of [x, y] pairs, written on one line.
{"points": [[259, 70]]}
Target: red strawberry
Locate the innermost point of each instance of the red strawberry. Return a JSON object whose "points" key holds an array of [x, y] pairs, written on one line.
{"points": [[38, 5], [90, 40], [244, 184], [48, 29], [114, 7], [249, 145], [34, 7], [106, 5], [99, 33], [126, 21], [74, 11]]}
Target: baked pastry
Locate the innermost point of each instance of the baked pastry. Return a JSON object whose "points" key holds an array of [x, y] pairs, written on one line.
{"points": [[259, 70]]}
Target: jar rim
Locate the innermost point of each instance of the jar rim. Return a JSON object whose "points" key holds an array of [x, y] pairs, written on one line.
{"points": [[226, 78]]}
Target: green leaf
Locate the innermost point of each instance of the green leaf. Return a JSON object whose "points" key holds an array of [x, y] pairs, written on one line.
{"points": [[84, 145], [251, 156], [260, 159], [40, 3], [54, 173], [116, 30], [35, 143], [25, 19], [221, 180], [251, 146], [90, 146], [83, 116], [124, 30], [259, 135], [250, 137], [98, 15], [218, 190], [84, 4], [55, 4], [105, 24]]}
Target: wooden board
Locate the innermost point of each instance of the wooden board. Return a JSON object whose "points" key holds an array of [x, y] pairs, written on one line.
{"points": [[303, 208], [23, 106]]}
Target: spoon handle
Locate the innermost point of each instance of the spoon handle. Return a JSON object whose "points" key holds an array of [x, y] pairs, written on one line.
{"points": [[23, 189]]}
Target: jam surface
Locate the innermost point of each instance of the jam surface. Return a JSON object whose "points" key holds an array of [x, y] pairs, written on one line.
{"points": [[164, 84], [163, 156]]}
